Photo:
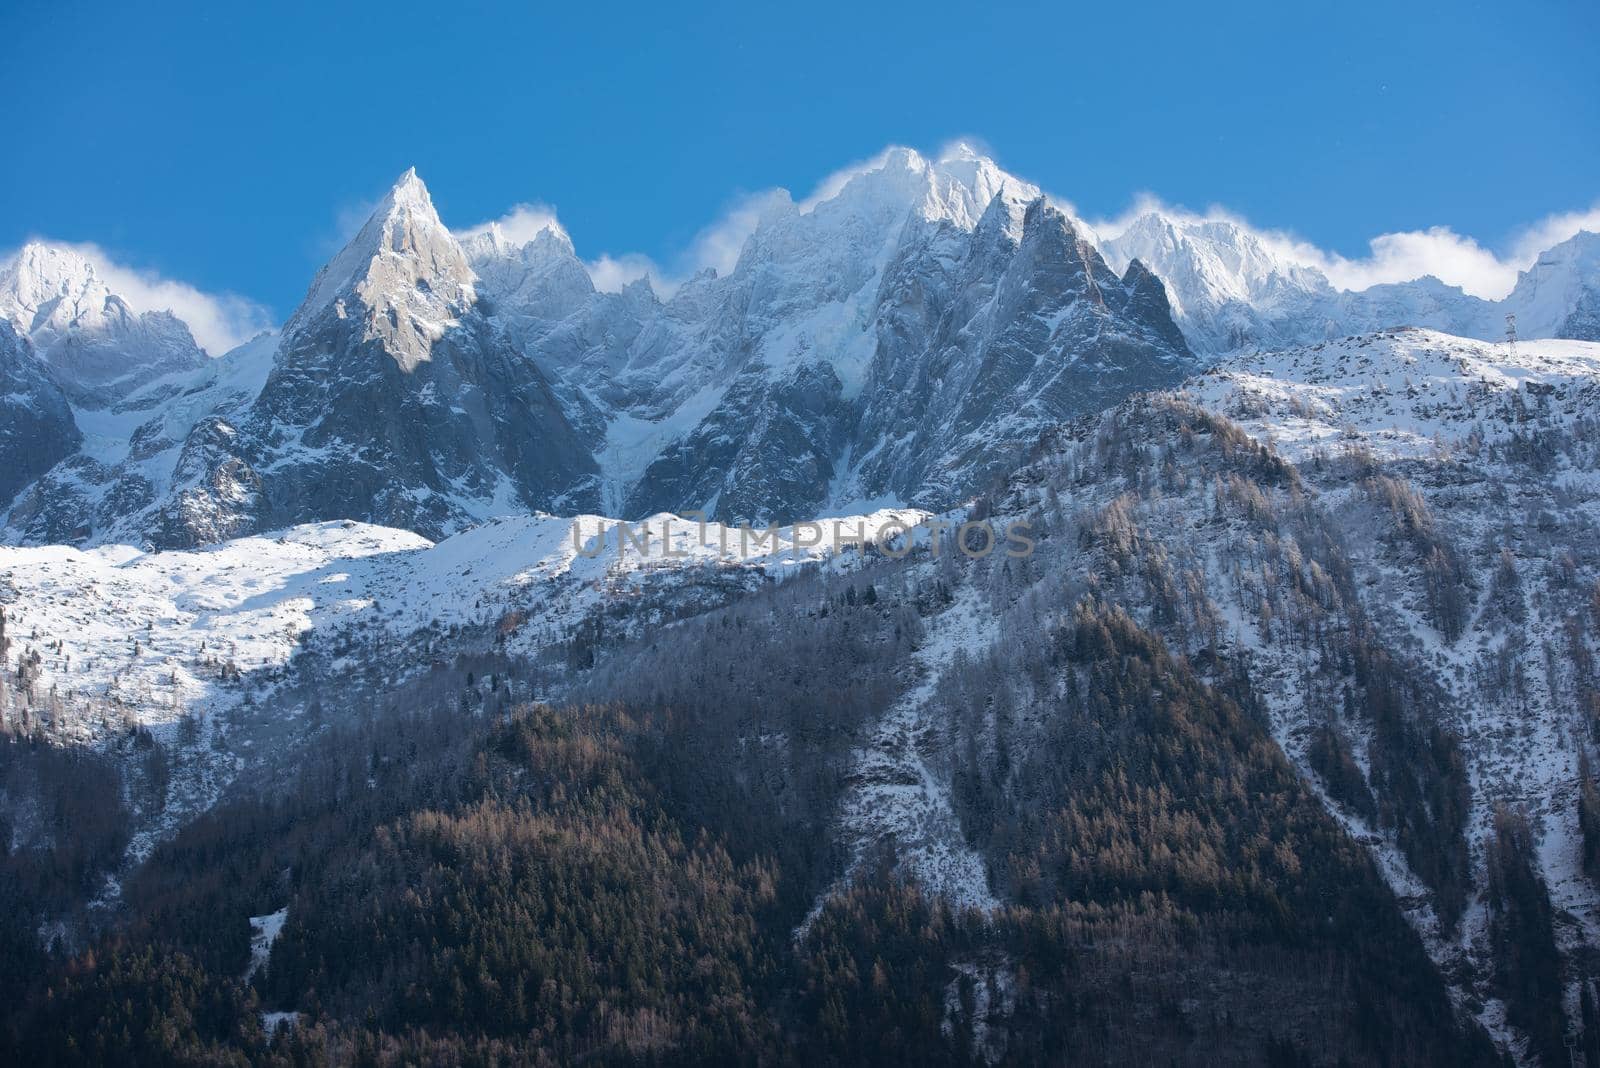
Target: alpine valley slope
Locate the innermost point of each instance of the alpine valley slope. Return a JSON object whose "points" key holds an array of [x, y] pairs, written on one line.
{"points": [[1394, 538], [148, 638], [1382, 546], [229, 645], [1386, 548]]}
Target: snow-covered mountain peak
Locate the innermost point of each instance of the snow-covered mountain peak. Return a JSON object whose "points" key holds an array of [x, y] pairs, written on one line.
{"points": [[97, 346], [403, 225], [642, 290], [404, 267], [1559, 296], [40, 273], [955, 188], [1582, 248], [1233, 289], [965, 183], [1209, 262], [541, 277], [492, 240], [410, 191], [52, 289], [962, 152]]}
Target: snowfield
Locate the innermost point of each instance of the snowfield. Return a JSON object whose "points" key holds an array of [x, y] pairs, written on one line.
{"points": [[1404, 393], [125, 637]]}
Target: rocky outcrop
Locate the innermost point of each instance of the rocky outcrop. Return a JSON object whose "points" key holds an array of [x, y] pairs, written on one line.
{"points": [[392, 398], [1031, 328]]}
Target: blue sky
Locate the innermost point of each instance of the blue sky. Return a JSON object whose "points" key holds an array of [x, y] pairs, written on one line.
{"points": [[229, 145]]}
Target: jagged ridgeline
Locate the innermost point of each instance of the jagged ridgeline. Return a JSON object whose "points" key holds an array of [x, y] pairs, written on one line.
{"points": [[903, 336], [903, 339]]}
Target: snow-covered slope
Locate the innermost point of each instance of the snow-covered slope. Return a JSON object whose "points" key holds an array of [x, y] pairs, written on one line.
{"points": [[1404, 394], [1501, 450], [113, 632]]}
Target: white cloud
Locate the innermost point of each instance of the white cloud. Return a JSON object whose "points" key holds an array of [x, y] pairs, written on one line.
{"points": [[612, 273], [1438, 251], [519, 225], [716, 246], [526, 221], [218, 321], [1554, 229], [1404, 256]]}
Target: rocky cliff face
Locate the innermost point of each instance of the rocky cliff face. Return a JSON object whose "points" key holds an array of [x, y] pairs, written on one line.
{"points": [[393, 397], [36, 425], [773, 393], [429, 382], [1028, 329]]}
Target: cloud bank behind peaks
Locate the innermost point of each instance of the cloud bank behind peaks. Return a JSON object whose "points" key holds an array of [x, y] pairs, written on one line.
{"points": [[1403, 256], [716, 246], [520, 225]]}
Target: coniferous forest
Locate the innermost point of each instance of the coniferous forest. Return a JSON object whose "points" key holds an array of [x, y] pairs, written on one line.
{"points": [[470, 879]]}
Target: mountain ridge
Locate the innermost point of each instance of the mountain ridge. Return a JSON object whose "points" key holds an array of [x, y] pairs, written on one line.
{"points": [[885, 341], [1232, 291], [738, 395]]}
